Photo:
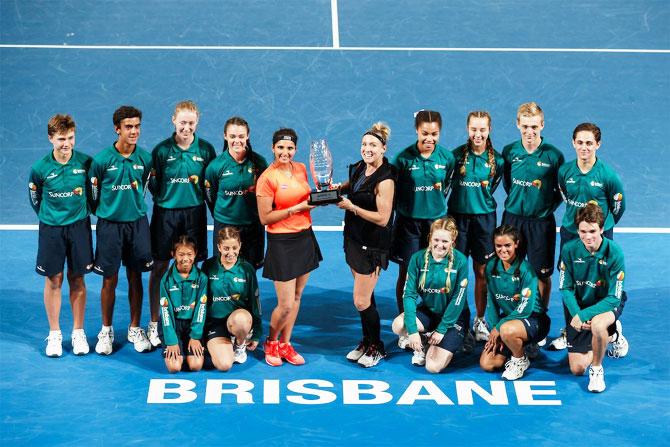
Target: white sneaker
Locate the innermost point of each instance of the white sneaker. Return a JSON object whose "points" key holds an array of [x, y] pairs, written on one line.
{"points": [[514, 368], [105, 342], [54, 344], [542, 342], [559, 343], [596, 379], [240, 354], [79, 342], [481, 329], [355, 354], [619, 345], [403, 341], [152, 334], [419, 358], [532, 350], [372, 356], [138, 338]]}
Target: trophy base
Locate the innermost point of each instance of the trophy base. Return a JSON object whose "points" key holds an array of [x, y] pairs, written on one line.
{"points": [[325, 197]]}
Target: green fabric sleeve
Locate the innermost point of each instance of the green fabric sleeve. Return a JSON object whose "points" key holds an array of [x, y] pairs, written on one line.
{"points": [[410, 293], [566, 284], [458, 300], [200, 313], [615, 288], [35, 191], [167, 314]]}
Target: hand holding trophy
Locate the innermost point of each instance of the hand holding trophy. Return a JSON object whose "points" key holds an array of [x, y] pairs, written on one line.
{"points": [[321, 166]]}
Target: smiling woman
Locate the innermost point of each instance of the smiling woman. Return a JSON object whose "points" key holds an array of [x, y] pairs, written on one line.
{"points": [[282, 195]]}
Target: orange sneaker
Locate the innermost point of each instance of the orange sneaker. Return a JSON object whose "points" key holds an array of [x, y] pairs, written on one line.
{"points": [[287, 352], [271, 348]]}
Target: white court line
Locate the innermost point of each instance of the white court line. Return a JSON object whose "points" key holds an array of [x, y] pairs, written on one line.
{"points": [[333, 48], [336, 228], [335, 23]]}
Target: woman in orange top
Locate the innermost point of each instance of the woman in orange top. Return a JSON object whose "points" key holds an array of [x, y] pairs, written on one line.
{"points": [[292, 252]]}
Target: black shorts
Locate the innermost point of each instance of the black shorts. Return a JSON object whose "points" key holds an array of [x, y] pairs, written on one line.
{"points": [[453, 338], [566, 236], [167, 224], [183, 330], [217, 327], [581, 341], [253, 242], [57, 244], [475, 235], [127, 242], [290, 255], [537, 327], [364, 260], [538, 241], [409, 236]]}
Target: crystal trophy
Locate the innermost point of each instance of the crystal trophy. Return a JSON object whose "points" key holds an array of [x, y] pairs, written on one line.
{"points": [[321, 166]]}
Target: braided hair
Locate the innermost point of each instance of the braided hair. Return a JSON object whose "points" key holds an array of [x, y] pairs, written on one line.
{"points": [[489, 145], [448, 224]]}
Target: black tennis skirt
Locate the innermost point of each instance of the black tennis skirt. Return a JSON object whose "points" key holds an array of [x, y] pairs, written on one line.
{"points": [[290, 255]]}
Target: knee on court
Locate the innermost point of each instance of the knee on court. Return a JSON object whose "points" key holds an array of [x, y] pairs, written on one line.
{"points": [[398, 325], [578, 367], [195, 363]]}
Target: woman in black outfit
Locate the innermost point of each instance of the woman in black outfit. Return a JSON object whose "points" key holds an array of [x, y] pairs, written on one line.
{"points": [[367, 235]]}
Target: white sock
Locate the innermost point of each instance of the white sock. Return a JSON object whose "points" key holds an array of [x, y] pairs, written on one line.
{"points": [[597, 368], [106, 329], [77, 331], [54, 333]]}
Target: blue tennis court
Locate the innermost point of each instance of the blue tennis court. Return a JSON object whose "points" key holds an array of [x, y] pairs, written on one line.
{"points": [[329, 69]]}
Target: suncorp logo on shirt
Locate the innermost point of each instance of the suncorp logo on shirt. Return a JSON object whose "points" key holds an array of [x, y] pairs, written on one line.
{"points": [[590, 284], [471, 184], [125, 187], [239, 192], [179, 180], [61, 195], [537, 183], [501, 297]]}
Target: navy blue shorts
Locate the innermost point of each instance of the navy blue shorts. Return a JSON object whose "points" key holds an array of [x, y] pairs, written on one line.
{"points": [[183, 330], [127, 242], [581, 341], [537, 327], [217, 327], [453, 338], [538, 241], [566, 236], [409, 236], [57, 244], [253, 242], [475, 234], [167, 224]]}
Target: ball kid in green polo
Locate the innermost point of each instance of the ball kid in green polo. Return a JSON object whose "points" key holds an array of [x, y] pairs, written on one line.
{"points": [[177, 181], [59, 193], [119, 176], [478, 172], [424, 176], [591, 281]]}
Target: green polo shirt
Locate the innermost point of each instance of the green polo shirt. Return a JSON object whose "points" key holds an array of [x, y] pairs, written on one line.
{"points": [[236, 288], [183, 299], [531, 180], [60, 193], [423, 183], [434, 295], [512, 294], [231, 188], [591, 284], [178, 174], [472, 193], [118, 184], [600, 185]]}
